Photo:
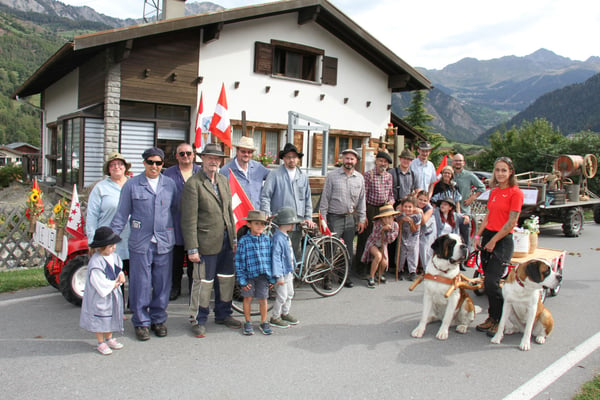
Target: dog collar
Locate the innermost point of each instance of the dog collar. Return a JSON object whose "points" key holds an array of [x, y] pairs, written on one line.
{"points": [[519, 281], [441, 270]]}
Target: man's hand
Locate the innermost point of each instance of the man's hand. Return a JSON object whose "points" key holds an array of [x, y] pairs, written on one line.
{"points": [[194, 257], [309, 223], [361, 227]]}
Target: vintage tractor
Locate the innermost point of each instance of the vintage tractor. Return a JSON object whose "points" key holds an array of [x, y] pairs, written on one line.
{"points": [[69, 276]]}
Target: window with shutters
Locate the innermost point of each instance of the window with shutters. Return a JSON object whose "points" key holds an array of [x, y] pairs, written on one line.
{"points": [[296, 61]]}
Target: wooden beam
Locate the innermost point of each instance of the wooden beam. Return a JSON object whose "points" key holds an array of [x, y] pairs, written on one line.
{"points": [[398, 81], [212, 32], [123, 50], [309, 14]]}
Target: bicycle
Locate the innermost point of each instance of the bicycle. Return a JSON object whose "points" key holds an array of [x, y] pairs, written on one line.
{"points": [[324, 266]]}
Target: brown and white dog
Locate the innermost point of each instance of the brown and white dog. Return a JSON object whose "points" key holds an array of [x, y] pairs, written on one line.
{"points": [[448, 252], [523, 310]]}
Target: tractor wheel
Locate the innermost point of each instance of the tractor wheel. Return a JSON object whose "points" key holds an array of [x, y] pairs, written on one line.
{"points": [[573, 222], [49, 277], [72, 279]]}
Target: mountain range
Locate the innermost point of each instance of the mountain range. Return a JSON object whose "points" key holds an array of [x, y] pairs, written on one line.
{"points": [[470, 98]]}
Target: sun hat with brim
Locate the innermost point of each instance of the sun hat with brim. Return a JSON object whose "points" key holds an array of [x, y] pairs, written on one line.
{"points": [[246, 142], [385, 156], [448, 200], [386, 211], [288, 148], [112, 157], [425, 145], [153, 151], [256, 215], [352, 151], [212, 149], [286, 216], [104, 236], [406, 153]]}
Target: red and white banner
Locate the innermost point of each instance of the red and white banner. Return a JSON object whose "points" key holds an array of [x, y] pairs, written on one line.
{"points": [[240, 203], [323, 228], [198, 139], [220, 125], [442, 165], [75, 220]]}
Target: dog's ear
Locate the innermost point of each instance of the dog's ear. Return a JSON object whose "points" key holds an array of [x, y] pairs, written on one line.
{"points": [[438, 246], [533, 270], [449, 248]]}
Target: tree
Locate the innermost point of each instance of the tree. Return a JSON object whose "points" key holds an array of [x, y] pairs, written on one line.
{"points": [[419, 119]]}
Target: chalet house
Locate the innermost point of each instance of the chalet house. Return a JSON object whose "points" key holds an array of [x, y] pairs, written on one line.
{"points": [[131, 88]]}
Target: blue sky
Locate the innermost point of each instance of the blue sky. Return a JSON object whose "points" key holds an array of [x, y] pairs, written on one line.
{"points": [[435, 33]]}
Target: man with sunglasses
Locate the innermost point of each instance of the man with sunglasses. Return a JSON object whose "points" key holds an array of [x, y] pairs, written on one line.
{"points": [[180, 173], [250, 173], [147, 203]]}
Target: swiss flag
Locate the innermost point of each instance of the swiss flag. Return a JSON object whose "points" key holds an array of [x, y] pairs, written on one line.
{"points": [[240, 203], [323, 228], [75, 221], [220, 125], [198, 139]]}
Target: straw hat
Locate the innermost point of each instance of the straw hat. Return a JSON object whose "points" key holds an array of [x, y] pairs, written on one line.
{"points": [[112, 157], [386, 211], [246, 142]]}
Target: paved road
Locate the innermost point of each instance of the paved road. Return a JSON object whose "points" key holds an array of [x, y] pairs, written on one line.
{"points": [[355, 345]]}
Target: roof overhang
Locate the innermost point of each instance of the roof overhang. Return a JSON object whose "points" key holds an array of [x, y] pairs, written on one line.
{"points": [[402, 77]]}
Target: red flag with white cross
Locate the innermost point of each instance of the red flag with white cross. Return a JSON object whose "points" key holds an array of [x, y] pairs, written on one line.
{"points": [[220, 125], [240, 203]]}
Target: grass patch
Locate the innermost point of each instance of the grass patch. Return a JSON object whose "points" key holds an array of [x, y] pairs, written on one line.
{"points": [[590, 390], [22, 279]]}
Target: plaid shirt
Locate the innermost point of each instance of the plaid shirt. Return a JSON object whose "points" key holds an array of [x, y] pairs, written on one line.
{"points": [[378, 188], [253, 258], [344, 194]]}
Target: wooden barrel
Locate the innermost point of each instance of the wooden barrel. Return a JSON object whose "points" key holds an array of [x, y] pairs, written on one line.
{"points": [[568, 165]]}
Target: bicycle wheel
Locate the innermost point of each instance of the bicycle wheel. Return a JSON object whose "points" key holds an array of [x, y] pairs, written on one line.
{"points": [[326, 266], [237, 302]]}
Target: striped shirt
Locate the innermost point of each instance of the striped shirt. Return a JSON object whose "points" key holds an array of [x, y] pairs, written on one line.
{"points": [[378, 188], [253, 258]]}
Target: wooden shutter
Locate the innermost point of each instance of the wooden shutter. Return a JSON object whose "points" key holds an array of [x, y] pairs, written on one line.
{"points": [[317, 150], [299, 143], [329, 70], [263, 58]]}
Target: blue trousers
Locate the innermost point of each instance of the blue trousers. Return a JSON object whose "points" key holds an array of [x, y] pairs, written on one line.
{"points": [[149, 286]]}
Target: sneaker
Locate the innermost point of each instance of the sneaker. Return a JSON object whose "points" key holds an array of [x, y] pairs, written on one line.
{"points": [[371, 283], [486, 325], [104, 349], [279, 322], [290, 319], [265, 328], [198, 330], [383, 279], [229, 322], [113, 344], [412, 276], [248, 329], [142, 333], [159, 330], [493, 329]]}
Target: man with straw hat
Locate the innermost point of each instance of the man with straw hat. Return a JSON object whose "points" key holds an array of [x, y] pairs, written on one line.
{"points": [[210, 239], [250, 173]]}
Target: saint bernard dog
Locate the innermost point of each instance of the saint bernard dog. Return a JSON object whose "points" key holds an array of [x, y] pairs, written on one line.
{"points": [[443, 269], [523, 310]]}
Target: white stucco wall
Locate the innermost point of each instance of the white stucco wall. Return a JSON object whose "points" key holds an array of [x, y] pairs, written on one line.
{"points": [[231, 58]]}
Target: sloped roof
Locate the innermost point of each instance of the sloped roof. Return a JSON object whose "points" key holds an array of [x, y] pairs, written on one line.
{"points": [[402, 77]]}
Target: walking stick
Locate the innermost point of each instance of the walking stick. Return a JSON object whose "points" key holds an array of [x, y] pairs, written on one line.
{"points": [[398, 245]]}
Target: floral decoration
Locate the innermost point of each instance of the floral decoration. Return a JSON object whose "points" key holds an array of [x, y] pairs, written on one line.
{"points": [[61, 213], [532, 224], [35, 204], [264, 158]]}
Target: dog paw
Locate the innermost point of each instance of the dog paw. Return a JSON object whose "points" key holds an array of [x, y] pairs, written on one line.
{"points": [[497, 339], [442, 334], [525, 345], [540, 339], [462, 328], [477, 310], [418, 332]]}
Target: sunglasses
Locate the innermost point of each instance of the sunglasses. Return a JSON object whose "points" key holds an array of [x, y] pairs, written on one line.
{"points": [[185, 153], [506, 160], [157, 163]]}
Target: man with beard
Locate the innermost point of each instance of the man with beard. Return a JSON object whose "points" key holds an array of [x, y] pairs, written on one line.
{"points": [[343, 202], [378, 191]]}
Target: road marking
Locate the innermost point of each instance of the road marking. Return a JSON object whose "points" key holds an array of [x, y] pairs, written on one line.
{"points": [[554, 371], [20, 299]]}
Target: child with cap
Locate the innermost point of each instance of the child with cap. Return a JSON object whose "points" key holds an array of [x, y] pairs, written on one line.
{"points": [[284, 263], [253, 269], [385, 231], [410, 221], [102, 304]]}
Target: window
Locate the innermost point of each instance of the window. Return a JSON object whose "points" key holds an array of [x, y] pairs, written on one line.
{"points": [[266, 140], [72, 135], [336, 144], [295, 61]]}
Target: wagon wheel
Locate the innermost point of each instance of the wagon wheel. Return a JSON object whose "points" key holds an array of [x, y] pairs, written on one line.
{"points": [[573, 222], [590, 165]]}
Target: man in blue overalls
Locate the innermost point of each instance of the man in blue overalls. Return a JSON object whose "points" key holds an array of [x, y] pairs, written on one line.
{"points": [[147, 202]]}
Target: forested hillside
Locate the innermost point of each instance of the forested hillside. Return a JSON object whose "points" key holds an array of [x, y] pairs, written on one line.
{"points": [[27, 40]]}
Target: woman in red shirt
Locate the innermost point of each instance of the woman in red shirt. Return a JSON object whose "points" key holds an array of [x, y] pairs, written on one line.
{"points": [[494, 237]]}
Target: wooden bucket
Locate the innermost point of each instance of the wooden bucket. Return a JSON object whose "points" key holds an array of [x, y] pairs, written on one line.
{"points": [[568, 165]]}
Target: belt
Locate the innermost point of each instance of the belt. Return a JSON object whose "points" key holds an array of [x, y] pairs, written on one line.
{"points": [[373, 205], [341, 215]]}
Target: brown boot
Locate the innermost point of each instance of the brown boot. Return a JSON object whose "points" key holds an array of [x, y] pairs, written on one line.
{"points": [[493, 329], [486, 325]]}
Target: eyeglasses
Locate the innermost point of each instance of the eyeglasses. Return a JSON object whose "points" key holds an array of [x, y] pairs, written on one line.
{"points": [[152, 162], [246, 151], [185, 153]]}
